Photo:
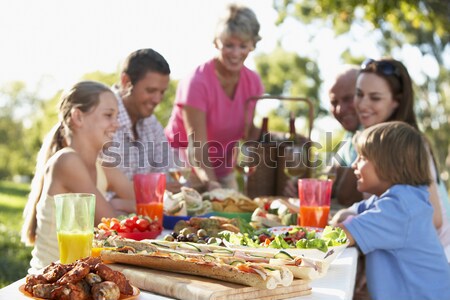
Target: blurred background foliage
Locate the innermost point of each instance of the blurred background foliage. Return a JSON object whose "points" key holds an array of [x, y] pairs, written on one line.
{"points": [[24, 118]]}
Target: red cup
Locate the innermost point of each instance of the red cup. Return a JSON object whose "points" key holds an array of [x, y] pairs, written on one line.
{"points": [[315, 198], [149, 191]]}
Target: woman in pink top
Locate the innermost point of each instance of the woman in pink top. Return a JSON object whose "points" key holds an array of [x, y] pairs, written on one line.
{"points": [[209, 114]]}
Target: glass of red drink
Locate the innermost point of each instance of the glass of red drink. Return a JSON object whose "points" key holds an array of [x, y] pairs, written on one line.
{"points": [[149, 191], [315, 198]]}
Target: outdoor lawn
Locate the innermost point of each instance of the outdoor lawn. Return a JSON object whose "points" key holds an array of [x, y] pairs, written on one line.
{"points": [[15, 257]]}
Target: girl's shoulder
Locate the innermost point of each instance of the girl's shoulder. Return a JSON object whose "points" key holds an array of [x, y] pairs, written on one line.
{"points": [[66, 158]]}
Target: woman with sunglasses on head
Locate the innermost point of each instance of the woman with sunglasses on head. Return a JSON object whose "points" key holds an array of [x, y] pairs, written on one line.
{"points": [[384, 93], [210, 105]]}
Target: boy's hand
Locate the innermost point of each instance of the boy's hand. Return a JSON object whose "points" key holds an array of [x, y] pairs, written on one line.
{"points": [[341, 216]]}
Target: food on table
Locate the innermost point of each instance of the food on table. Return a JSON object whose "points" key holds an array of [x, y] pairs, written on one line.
{"points": [[130, 223], [208, 265], [275, 211], [294, 237], [188, 202], [201, 229], [229, 200], [86, 278], [300, 267]]}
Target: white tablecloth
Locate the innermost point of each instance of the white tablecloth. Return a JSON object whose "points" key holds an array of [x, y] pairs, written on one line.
{"points": [[336, 285]]}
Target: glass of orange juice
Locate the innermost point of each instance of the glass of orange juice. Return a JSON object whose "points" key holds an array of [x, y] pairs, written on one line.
{"points": [[315, 198], [149, 191], [74, 225]]}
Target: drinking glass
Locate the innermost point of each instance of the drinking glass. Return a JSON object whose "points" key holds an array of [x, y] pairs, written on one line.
{"points": [[74, 225], [149, 191], [248, 159], [295, 164], [315, 198], [323, 165]]}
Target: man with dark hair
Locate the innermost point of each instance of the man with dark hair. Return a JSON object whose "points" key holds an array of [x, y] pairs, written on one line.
{"points": [[139, 145]]}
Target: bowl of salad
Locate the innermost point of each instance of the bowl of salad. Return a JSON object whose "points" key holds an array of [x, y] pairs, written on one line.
{"points": [[323, 244]]}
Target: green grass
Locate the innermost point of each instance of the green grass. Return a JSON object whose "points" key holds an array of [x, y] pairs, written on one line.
{"points": [[15, 257]]}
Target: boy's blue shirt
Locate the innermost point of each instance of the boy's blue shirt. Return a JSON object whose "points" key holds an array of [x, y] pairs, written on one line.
{"points": [[404, 258]]}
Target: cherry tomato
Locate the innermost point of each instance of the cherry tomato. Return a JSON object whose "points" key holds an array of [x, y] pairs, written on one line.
{"points": [[114, 225], [123, 228], [142, 224], [128, 223], [154, 226], [134, 218]]}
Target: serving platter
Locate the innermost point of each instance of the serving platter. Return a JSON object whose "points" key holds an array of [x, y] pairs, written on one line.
{"points": [[136, 293]]}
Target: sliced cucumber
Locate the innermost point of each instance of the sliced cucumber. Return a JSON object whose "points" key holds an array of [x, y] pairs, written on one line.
{"points": [[258, 255], [189, 246], [223, 250], [283, 255], [237, 262], [209, 257], [176, 255], [160, 245]]}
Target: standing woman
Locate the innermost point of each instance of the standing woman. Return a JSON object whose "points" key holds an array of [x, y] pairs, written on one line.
{"points": [[67, 163], [210, 107], [384, 93]]}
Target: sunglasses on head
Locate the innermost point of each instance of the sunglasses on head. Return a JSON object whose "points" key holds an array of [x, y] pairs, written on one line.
{"points": [[383, 67]]}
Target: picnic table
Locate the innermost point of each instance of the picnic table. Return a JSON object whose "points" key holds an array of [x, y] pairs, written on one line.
{"points": [[338, 283]]}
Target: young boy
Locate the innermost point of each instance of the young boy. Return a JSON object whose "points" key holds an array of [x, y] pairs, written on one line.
{"points": [[394, 228]]}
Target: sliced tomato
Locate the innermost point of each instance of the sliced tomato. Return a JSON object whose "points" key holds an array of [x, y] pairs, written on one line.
{"points": [[245, 268]]}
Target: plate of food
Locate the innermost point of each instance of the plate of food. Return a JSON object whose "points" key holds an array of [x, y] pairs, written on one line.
{"points": [[135, 294], [169, 222], [316, 243], [131, 227], [61, 280]]}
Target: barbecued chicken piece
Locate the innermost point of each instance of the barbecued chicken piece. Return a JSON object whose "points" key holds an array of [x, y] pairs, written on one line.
{"points": [[43, 290], [55, 271], [78, 272], [92, 279], [70, 291], [92, 261], [106, 290], [107, 274], [32, 280], [61, 292]]}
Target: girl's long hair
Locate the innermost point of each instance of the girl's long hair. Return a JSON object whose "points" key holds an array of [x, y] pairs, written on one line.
{"points": [[83, 96]]}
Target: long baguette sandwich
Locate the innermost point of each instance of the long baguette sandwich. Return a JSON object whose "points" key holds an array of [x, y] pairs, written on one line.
{"points": [[206, 265], [301, 267]]}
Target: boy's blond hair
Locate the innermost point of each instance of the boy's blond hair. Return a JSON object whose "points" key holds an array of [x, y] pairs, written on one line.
{"points": [[397, 151]]}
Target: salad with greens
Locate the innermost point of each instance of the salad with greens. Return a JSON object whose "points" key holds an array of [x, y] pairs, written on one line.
{"points": [[294, 237]]}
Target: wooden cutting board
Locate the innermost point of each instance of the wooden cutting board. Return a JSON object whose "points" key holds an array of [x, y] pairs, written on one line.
{"points": [[191, 287]]}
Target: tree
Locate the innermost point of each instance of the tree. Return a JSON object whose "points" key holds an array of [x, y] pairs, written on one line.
{"points": [[17, 105], [420, 23], [287, 74]]}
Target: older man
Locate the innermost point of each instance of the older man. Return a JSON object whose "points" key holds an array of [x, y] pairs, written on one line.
{"points": [[341, 96]]}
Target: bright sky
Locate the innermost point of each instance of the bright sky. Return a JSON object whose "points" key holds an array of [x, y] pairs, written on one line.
{"points": [[62, 40], [55, 42]]}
